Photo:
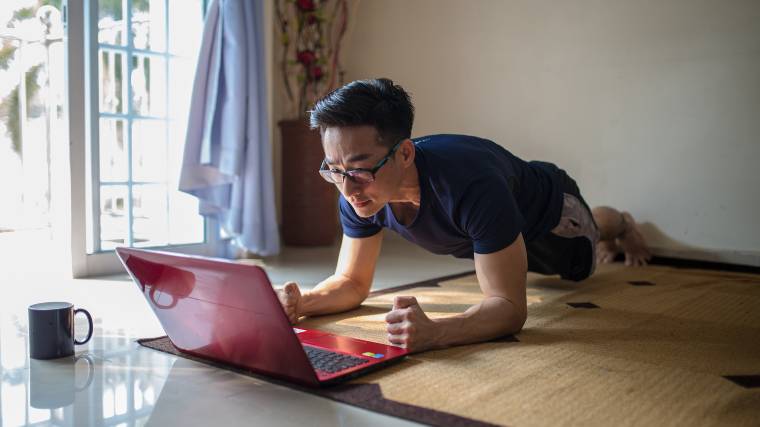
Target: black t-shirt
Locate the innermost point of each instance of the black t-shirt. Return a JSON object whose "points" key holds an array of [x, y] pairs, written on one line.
{"points": [[475, 197]]}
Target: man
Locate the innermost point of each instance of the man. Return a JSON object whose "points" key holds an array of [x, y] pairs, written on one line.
{"points": [[451, 194]]}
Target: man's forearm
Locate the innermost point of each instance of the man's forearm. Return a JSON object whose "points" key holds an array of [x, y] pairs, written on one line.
{"points": [[491, 318], [333, 295]]}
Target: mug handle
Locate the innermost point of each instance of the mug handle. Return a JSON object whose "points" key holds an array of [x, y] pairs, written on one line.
{"points": [[164, 307], [89, 320], [90, 370]]}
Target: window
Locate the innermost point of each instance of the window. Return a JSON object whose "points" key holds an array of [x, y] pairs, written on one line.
{"points": [[142, 72], [129, 69]]}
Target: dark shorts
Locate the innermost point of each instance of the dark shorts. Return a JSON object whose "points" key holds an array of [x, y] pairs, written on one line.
{"points": [[570, 248]]}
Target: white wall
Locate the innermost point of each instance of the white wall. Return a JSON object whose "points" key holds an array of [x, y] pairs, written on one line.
{"points": [[653, 106]]}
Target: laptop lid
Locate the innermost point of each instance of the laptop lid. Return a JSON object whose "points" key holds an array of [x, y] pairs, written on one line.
{"points": [[205, 306]]}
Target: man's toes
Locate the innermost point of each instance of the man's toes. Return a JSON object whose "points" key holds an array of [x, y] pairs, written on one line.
{"points": [[631, 260], [635, 260], [604, 257]]}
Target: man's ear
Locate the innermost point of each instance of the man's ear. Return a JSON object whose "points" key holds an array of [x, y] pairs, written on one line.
{"points": [[407, 152]]}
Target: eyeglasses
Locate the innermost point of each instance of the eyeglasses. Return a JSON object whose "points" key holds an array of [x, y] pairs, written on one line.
{"points": [[358, 175]]}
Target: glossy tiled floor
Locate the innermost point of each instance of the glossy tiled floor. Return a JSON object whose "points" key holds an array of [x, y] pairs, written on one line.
{"points": [[113, 381]]}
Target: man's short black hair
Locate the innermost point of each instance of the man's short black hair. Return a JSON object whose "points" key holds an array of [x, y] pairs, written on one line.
{"points": [[375, 102]]}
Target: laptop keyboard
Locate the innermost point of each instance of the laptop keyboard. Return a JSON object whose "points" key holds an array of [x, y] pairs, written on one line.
{"points": [[331, 362]]}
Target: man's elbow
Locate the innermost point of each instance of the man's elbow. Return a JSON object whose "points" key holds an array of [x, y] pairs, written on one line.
{"points": [[361, 293], [520, 322], [518, 314], [511, 315]]}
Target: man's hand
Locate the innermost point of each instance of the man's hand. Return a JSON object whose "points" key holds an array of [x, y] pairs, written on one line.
{"points": [[290, 298], [409, 327]]}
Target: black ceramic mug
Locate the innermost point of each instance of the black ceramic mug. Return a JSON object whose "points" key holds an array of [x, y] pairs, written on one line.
{"points": [[51, 329]]}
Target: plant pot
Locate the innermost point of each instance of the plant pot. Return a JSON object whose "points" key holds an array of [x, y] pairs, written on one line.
{"points": [[309, 203]]}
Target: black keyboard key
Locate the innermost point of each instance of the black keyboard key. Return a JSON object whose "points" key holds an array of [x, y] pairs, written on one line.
{"points": [[330, 361]]}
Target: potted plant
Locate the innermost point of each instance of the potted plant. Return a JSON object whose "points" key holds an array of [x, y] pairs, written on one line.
{"points": [[310, 33]]}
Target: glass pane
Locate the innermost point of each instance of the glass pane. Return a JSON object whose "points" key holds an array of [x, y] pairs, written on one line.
{"points": [[181, 72], [149, 151], [180, 83], [111, 22], [114, 222], [185, 27], [186, 225], [150, 222], [175, 148], [110, 72], [148, 85], [113, 153], [149, 24]]}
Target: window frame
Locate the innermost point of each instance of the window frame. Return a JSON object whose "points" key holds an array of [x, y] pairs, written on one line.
{"points": [[83, 117]]}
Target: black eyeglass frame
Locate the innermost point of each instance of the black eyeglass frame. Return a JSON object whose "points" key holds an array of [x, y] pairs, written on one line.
{"points": [[327, 173]]}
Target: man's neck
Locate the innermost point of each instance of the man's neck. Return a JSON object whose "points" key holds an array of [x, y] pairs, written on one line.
{"points": [[409, 190]]}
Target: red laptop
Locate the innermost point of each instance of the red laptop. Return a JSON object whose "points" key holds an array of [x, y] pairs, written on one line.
{"points": [[229, 312]]}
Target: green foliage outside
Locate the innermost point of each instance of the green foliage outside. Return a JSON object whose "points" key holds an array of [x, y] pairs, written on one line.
{"points": [[9, 108], [10, 105]]}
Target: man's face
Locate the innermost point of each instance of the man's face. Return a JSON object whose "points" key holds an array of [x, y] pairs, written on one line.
{"points": [[357, 147]]}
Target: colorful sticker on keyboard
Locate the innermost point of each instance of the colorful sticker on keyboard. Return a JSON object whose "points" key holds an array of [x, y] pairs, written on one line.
{"points": [[371, 354]]}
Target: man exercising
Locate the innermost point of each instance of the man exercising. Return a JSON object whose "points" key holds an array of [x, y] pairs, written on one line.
{"points": [[451, 194]]}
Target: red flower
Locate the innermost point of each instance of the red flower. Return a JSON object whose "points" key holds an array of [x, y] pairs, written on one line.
{"points": [[316, 72], [306, 57], [306, 5]]}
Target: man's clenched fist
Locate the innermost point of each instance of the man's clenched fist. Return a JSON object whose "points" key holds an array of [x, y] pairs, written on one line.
{"points": [[290, 298], [408, 326]]}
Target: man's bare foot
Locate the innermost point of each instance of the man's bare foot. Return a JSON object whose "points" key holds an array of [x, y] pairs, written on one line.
{"points": [[619, 234], [632, 244]]}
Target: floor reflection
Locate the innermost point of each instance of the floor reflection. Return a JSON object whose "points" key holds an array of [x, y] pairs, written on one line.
{"points": [[228, 398], [109, 384]]}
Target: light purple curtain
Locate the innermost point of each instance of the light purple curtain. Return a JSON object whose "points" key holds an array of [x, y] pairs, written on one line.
{"points": [[227, 161]]}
